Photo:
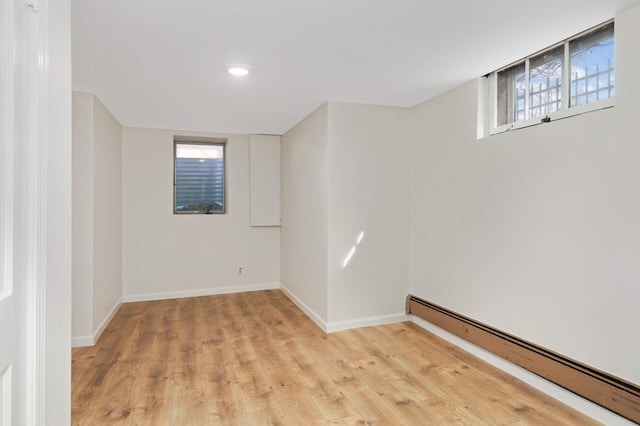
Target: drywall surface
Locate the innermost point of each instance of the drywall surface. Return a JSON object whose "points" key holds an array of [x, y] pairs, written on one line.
{"points": [[535, 231], [167, 255], [82, 212], [304, 233], [368, 211], [97, 216], [107, 213], [264, 176]]}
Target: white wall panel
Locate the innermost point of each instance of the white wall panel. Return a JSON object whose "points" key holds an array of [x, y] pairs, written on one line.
{"points": [[368, 260], [304, 213], [536, 231], [167, 254], [97, 216], [264, 172]]}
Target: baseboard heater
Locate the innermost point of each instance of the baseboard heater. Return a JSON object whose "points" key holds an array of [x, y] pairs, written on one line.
{"points": [[611, 392]]}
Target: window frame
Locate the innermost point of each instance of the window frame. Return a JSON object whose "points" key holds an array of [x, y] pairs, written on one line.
{"points": [[566, 110], [196, 140]]}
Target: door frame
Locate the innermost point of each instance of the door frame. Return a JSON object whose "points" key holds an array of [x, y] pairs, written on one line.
{"points": [[40, 203], [36, 206]]}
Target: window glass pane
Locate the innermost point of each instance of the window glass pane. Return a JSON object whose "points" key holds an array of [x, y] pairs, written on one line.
{"points": [[592, 68], [199, 178], [545, 82], [577, 72], [511, 93]]}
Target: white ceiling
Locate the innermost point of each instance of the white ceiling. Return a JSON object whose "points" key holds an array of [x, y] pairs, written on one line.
{"points": [[162, 63]]}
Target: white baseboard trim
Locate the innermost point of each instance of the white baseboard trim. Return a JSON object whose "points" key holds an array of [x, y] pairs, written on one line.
{"points": [[343, 325], [566, 397], [308, 311], [199, 292], [107, 320], [81, 341], [332, 327]]}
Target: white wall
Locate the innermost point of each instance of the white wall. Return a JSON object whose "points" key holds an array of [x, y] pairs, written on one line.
{"points": [[97, 217], [82, 212], [536, 231], [264, 177], [345, 172], [167, 255], [368, 194], [107, 213], [304, 232]]}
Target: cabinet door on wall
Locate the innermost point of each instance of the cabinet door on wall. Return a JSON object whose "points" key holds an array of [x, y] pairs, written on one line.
{"points": [[264, 169]]}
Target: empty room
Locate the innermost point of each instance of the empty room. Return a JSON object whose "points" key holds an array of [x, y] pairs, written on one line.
{"points": [[320, 212]]}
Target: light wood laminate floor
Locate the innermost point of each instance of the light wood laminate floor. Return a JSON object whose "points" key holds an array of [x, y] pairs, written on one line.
{"points": [[255, 358]]}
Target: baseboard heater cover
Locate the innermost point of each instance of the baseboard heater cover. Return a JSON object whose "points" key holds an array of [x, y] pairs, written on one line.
{"points": [[604, 389]]}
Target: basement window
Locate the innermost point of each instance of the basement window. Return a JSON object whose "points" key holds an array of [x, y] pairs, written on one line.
{"points": [[570, 78], [199, 176]]}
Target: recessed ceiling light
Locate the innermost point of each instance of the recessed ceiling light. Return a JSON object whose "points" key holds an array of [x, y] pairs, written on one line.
{"points": [[238, 70]]}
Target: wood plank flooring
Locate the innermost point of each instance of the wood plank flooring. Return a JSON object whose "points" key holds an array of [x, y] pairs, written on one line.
{"points": [[255, 358]]}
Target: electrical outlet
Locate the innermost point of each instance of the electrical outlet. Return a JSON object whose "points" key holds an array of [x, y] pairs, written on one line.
{"points": [[240, 270]]}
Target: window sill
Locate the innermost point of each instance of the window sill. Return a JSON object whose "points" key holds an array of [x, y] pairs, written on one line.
{"points": [[554, 116]]}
